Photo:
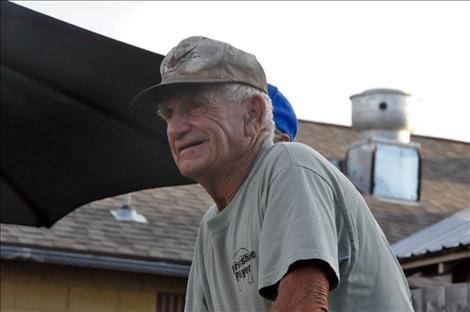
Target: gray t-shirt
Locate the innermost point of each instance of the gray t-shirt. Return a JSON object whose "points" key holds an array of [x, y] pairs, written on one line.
{"points": [[294, 205]]}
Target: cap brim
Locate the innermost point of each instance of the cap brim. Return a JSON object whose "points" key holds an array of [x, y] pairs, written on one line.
{"points": [[154, 94], [151, 95]]}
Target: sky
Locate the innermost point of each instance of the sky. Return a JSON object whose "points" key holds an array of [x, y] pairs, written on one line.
{"points": [[317, 53]]}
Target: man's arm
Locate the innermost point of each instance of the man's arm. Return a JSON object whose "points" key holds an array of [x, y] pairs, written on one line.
{"points": [[304, 288]]}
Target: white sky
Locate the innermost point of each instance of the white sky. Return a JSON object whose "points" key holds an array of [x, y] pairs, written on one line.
{"points": [[317, 53]]}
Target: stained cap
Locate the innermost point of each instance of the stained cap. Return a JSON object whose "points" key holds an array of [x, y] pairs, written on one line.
{"points": [[203, 60]]}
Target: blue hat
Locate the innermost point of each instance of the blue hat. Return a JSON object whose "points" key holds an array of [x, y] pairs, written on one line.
{"points": [[284, 115]]}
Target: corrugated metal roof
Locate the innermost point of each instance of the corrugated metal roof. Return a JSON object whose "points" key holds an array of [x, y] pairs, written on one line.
{"points": [[451, 232]]}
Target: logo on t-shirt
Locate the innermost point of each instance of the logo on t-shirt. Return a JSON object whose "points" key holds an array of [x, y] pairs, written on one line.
{"points": [[241, 267]]}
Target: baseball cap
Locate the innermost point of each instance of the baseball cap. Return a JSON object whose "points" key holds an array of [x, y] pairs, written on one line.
{"points": [[200, 59], [283, 113]]}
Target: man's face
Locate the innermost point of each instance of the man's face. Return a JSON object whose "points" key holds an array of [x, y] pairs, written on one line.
{"points": [[205, 135]]}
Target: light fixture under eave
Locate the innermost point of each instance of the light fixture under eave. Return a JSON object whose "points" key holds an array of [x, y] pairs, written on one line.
{"points": [[127, 213]]}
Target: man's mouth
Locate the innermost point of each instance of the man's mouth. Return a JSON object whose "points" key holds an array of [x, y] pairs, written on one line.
{"points": [[189, 145]]}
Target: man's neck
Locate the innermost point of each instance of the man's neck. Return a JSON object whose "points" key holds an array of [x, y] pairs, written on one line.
{"points": [[224, 185]]}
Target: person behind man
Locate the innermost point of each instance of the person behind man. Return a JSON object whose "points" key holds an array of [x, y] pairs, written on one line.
{"points": [[285, 120], [287, 231]]}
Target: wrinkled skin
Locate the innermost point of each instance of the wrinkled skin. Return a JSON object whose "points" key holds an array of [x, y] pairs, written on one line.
{"points": [[213, 141]]}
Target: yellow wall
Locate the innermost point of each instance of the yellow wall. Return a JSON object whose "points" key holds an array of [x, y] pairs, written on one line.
{"points": [[45, 287]]}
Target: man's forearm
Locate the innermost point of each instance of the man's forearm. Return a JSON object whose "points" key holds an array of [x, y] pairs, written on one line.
{"points": [[305, 288]]}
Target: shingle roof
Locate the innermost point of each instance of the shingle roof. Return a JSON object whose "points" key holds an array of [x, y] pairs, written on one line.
{"points": [[452, 232], [174, 213]]}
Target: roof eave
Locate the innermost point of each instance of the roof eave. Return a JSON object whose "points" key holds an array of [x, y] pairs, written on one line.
{"points": [[447, 255], [38, 255]]}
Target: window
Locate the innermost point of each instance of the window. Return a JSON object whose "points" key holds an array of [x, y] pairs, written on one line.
{"points": [[396, 172], [386, 169], [170, 302]]}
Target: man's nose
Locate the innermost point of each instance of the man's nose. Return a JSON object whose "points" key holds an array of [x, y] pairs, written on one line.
{"points": [[178, 126]]}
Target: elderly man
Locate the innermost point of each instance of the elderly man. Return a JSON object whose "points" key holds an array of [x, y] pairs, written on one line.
{"points": [[287, 232]]}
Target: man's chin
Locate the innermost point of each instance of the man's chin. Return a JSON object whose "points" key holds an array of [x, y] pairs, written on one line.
{"points": [[189, 172]]}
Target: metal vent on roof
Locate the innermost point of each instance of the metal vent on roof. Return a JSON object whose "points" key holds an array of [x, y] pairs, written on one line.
{"points": [[337, 163], [384, 163], [127, 213], [385, 168], [384, 113]]}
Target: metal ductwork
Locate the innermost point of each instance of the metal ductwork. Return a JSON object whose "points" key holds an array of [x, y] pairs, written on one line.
{"points": [[383, 113], [384, 163]]}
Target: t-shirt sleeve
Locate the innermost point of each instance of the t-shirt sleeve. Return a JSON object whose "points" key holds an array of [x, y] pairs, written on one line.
{"points": [[299, 224], [195, 298]]}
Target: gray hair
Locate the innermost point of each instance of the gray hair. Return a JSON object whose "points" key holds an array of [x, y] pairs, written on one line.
{"points": [[239, 93]]}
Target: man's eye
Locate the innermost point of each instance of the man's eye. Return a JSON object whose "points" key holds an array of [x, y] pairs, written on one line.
{"points": [[165, 114], [168, 114], [195, 108], [196, 105]]}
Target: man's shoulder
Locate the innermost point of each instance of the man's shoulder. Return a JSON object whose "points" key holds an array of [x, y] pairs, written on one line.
{"points": [[295, 147], [293, 153], [283, 157]]}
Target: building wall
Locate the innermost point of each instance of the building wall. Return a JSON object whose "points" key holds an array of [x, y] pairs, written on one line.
{"points": [[31, 287]]}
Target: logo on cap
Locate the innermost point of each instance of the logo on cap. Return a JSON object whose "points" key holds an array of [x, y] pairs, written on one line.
{"points": [[181, 55]]}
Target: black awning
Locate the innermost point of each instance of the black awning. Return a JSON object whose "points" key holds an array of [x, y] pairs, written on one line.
{"points": [[68, 133]]}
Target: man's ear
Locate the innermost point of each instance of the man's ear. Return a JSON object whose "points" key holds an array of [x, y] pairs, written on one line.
{"points": [[255, 112]]}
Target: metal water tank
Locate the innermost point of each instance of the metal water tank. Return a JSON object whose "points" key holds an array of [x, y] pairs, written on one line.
{"points": [[383, 113]]}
